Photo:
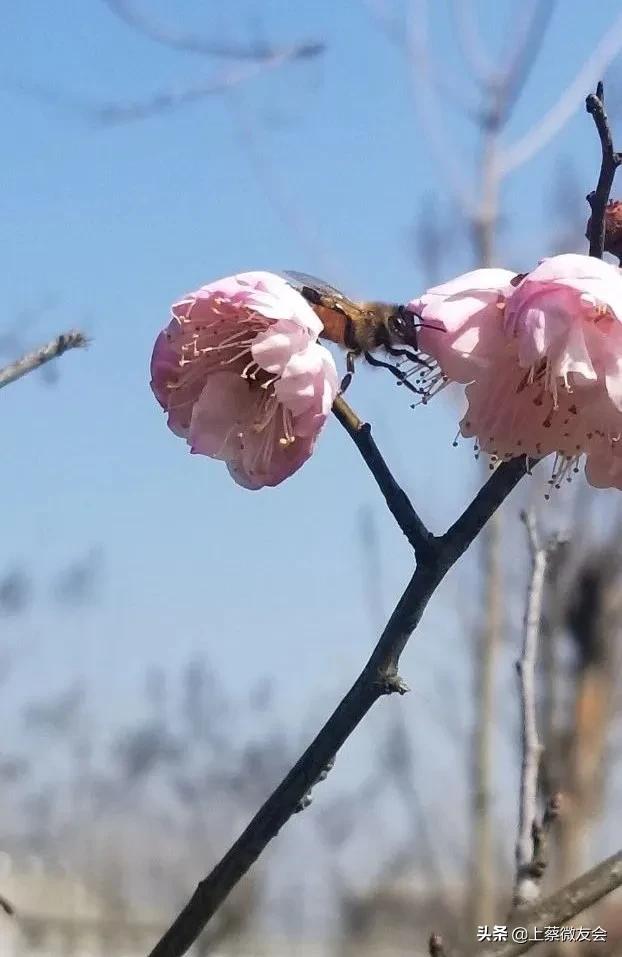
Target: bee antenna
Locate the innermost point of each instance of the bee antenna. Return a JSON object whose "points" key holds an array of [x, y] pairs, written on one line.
{"points": [[428, 325], [406, 312]]}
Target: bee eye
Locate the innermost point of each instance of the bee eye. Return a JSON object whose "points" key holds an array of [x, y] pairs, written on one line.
{"points": [[400, 319], [311, 295]]}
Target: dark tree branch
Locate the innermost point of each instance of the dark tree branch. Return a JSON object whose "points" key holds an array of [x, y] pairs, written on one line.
{"points": [[598, 199], [33, 360], [395, 497], [560, 907], [379, 677], [483, 506]]}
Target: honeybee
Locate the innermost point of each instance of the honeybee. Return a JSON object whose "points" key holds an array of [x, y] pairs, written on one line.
{"points": [[363, 327]]}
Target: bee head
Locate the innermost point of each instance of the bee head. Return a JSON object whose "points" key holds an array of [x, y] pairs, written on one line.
{"points": [[403, 324]]}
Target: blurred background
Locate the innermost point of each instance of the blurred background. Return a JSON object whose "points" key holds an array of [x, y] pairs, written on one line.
{"points": [[171, 642]]}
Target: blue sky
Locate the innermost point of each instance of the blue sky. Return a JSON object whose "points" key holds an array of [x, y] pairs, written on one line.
{"points": [[115, 224]]}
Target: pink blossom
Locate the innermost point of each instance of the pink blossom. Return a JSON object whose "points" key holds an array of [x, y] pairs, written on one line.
{"points": [[557, 386], [242, 377], [567, 314], [463, 322], [510, 413], [541, 359]]}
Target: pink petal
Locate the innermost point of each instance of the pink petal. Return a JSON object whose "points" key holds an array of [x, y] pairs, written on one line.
{"points": [[613, 382], [302, 384], [276, 299], [224, 410], [479, 280], [570, 267], [164, 368], [273, 348], [603, 467]]}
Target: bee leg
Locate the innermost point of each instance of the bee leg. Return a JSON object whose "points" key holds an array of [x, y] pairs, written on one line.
{"points": [[347, 379], [408, 354], [399, 375]]}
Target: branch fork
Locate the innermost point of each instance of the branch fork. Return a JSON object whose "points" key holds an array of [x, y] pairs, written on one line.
{"points": [[434, 556]]}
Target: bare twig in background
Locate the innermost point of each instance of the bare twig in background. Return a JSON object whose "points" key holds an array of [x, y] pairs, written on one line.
{"points": [[486, 648], [260, 56], [561, 906], [6, 906], [111, 113], [527, 881], [436, 946], [13, 339], [258, 59], [592, 615], [451, 85], [430, 111], [540, 836], [598, 199], [503, 83], [399, 765], [380, 676], [193, 43], [567, 207], [288, 206], [16, 589], [529, 145], [479, 64], [33, 360], [500, 87], [526, 41]]}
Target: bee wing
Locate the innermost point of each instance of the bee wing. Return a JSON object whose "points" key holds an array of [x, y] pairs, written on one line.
{"points": [[320, 290]]}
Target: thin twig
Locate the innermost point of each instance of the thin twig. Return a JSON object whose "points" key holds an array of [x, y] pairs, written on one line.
{"points": [[378, 677], [540, 835], [436, 946], [195, 43], [562, 906], [399, 764], [397, 500], [6, 906], [450, 85], [527, 43], [478, 63], [429, 109], [486, 647], [527, 881], [109, 114], [289, 204], [598, 199], [519, 153], [113, 113], [33, 360]]}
